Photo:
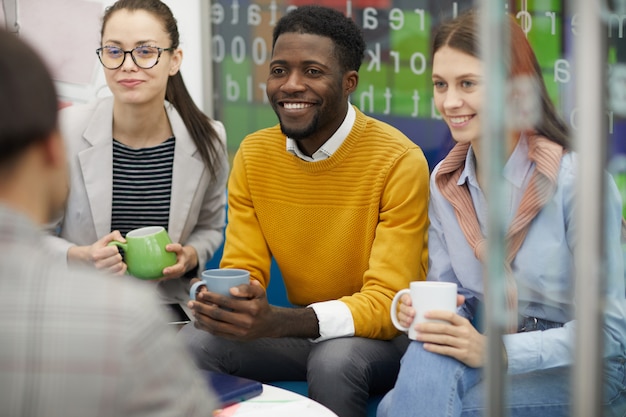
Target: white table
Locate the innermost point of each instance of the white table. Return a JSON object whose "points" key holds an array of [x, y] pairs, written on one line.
{"points": [[277, 402]]}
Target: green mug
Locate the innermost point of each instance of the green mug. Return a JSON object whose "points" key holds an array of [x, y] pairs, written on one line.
{"points": [[144, 252]]}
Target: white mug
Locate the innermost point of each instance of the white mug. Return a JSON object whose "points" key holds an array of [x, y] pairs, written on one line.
{"points": [[425, 296]]}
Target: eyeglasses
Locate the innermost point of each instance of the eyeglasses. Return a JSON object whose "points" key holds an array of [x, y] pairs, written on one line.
{"points": [[144, 57]]}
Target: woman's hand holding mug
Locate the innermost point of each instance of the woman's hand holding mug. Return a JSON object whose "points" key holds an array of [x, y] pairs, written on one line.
{"points": [[100, 255]]}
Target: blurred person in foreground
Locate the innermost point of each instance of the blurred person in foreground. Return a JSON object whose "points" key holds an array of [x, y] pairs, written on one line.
{"points": [[339, 199], [441, 372], [74, 342]]}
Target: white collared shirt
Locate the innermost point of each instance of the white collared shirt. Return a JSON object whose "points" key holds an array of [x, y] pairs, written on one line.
{"points": [[334, 317], [331, 145]]}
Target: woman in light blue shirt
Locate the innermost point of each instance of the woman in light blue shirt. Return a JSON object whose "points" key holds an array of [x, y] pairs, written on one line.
{"points": [[441, 371]]}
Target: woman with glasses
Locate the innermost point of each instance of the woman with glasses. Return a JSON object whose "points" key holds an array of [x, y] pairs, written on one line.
{"points": [[441, 371], [147, 156]]}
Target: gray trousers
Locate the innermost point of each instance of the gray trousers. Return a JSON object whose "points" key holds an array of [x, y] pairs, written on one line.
{"points": [[341, 373]]}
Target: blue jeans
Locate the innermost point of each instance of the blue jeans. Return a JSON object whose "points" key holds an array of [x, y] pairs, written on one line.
{"points": [[433, 385]]}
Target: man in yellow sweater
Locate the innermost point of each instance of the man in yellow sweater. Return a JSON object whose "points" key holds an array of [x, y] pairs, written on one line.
{"points": [[339, 199]]}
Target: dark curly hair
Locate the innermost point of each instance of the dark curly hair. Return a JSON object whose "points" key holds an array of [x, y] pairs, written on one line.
{"points": [[330, 23]]}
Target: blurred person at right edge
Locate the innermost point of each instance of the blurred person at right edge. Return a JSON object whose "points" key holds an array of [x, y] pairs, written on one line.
{"points": [[441, 372]]}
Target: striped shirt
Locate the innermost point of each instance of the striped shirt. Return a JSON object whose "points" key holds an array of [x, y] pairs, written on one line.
{"points": [[142, 185]]}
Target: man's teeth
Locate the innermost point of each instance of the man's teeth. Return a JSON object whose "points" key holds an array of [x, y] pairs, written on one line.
{"points": [[296, 105]]}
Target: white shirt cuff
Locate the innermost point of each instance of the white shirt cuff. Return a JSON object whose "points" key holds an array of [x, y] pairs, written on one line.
{"points": [[334, 318]]}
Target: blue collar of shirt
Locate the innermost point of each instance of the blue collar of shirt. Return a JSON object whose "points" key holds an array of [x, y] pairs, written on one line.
{"points": [[515, 170]]}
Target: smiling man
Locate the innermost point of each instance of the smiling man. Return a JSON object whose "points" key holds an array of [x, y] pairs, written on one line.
{"points": [[339, 200]]}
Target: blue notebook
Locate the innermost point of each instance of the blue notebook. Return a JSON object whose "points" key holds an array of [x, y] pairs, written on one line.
{"points": [[231, 389]]}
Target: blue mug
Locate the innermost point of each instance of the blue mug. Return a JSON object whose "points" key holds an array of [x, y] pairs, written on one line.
{"points": [[220, 281]]}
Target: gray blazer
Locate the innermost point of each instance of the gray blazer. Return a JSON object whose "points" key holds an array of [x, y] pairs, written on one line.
{"points": [[197, 210]]}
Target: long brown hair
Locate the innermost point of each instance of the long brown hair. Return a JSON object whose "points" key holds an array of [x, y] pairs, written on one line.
{"points": [[462, 34], [197, 123]]}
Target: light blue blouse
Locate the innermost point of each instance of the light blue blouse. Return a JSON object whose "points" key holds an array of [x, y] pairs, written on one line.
{"points": [[543, 267]]}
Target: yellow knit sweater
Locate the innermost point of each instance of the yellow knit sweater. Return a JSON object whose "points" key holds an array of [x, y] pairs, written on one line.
{"points": [[352, 227]]}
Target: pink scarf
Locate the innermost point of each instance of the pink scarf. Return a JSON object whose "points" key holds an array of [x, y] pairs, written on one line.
{"points": [[547, 158]]}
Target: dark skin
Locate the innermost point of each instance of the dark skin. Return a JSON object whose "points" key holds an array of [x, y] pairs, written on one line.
{"points": [[250, 316], [308, 88], [309, 91]]}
